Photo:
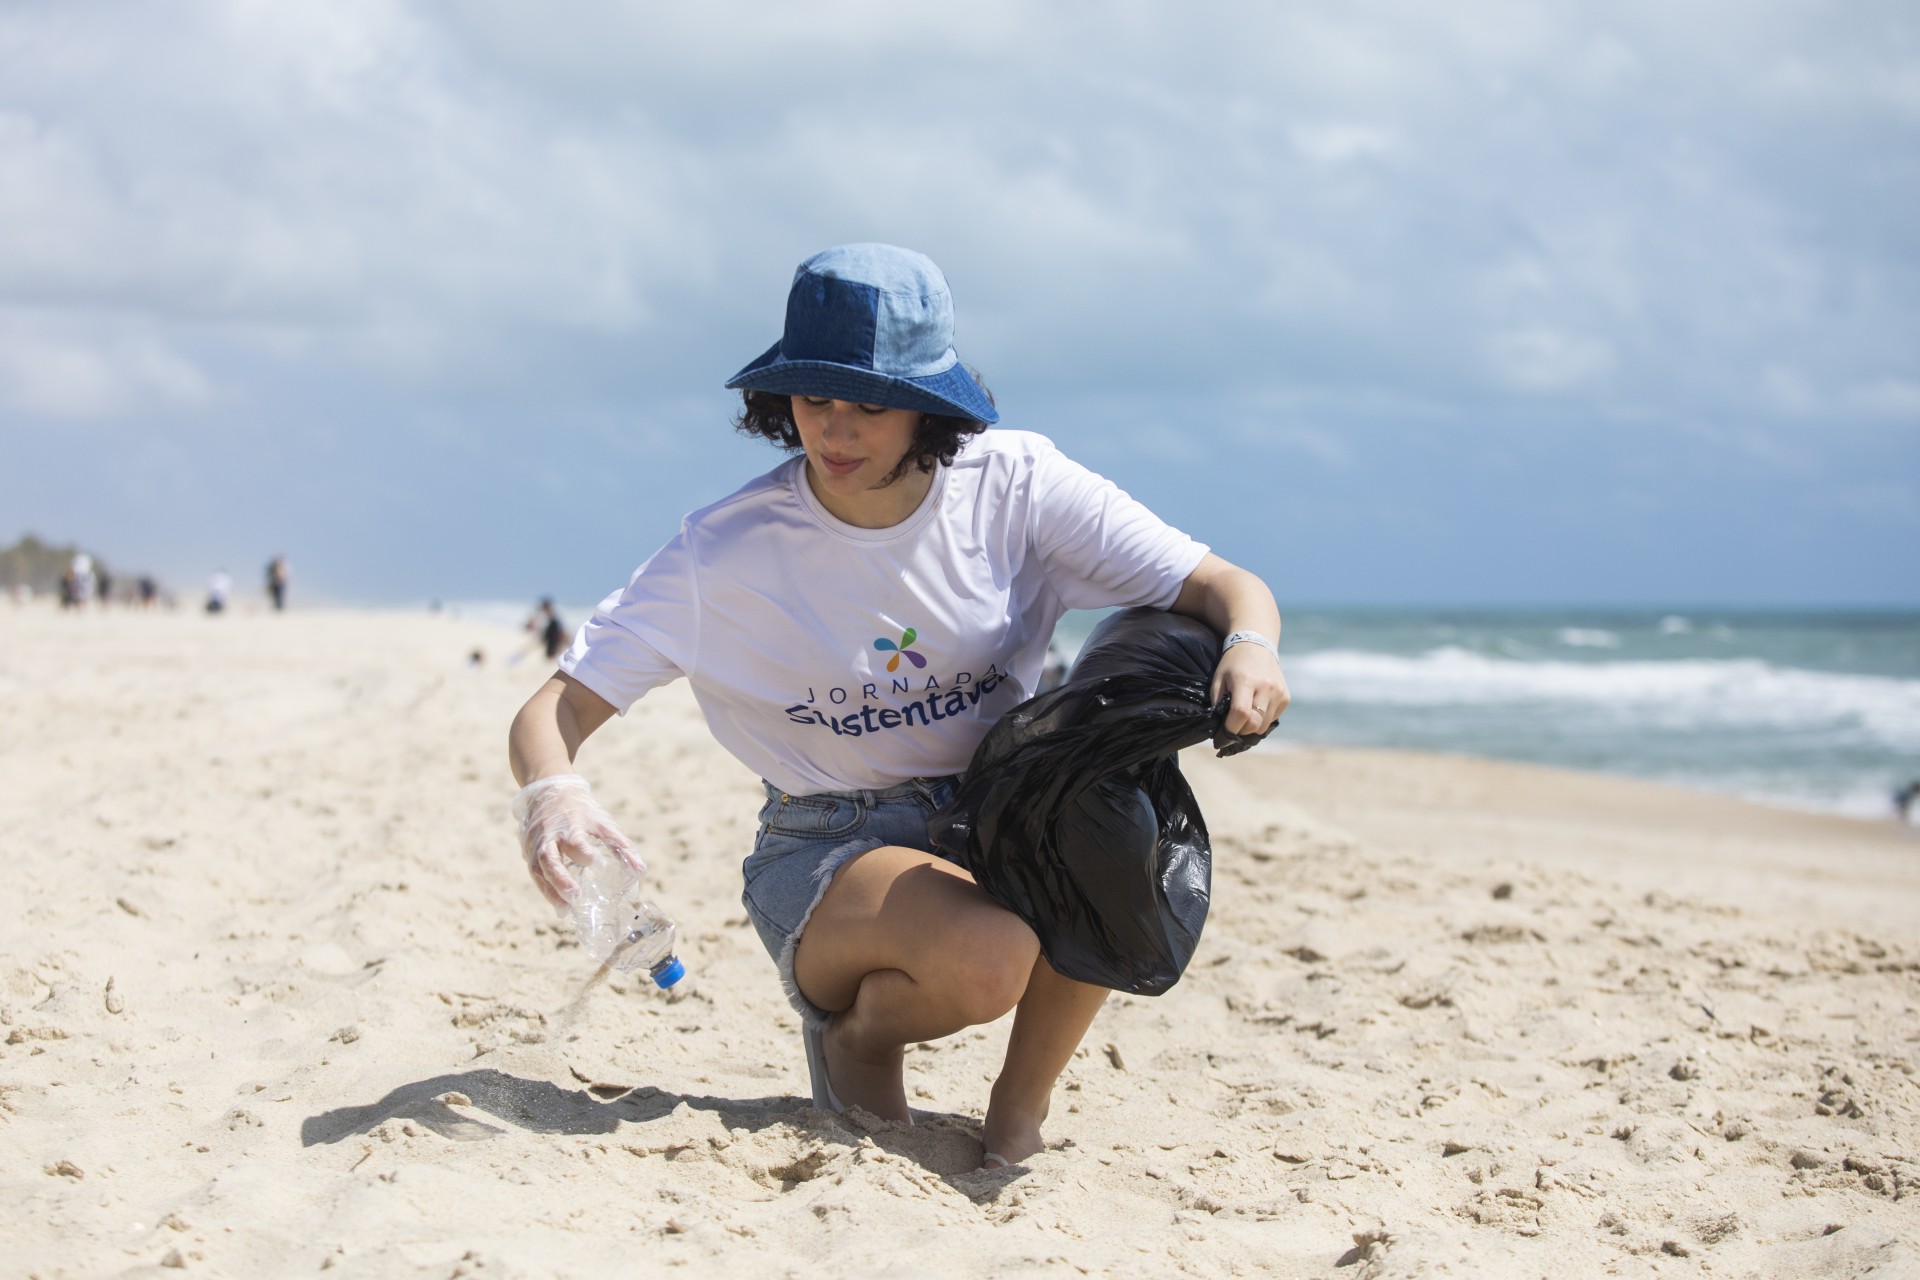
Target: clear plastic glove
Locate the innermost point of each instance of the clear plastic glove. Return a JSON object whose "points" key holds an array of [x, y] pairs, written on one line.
{"points": [[561, 823]]}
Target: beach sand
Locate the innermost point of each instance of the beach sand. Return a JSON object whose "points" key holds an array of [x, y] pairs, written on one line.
{"points": [[277, 997]]}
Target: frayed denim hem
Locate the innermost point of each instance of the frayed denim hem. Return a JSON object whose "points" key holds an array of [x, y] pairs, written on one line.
{"points": [[810, 1013]]}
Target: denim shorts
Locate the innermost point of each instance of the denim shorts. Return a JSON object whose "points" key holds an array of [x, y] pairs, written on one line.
{"points": [[803, 840]]}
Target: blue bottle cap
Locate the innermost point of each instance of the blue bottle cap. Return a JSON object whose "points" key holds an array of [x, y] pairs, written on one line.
{"points": [[669, 973]]}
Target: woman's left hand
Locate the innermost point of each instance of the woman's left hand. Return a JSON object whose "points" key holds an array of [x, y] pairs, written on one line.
{"points": [[1229, 599], [1250, 675]]}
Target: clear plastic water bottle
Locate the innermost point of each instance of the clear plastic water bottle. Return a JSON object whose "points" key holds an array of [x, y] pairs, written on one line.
{"points": [[620, 929]]}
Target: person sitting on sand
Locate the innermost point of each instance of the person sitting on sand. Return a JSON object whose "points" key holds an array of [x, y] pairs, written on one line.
{"points": [[852, 623]]}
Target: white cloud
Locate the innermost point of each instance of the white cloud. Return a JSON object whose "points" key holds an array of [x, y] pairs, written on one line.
{"points": [[1337, 143], [70, 379], [1887, 398], [1786, 390], [409, 183], [1328, 448], [1548, 359]]}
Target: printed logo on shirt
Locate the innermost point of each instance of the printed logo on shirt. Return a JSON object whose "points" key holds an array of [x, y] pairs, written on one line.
{"points": [[909, 695], [926, 705], [902, 650]]}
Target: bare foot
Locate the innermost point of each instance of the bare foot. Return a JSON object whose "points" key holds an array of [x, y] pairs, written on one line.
{"points": [[1011, 1133], [871, 1081]]}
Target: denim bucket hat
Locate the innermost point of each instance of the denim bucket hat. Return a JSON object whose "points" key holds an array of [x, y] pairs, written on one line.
{"points": [[873, 324]]}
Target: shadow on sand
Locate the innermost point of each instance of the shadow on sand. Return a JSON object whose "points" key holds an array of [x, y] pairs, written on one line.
{"points": [[536, 1106], [948, 1146]]}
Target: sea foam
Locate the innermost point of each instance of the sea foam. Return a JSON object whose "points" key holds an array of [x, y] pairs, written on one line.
{"points": [[1679, 694]]}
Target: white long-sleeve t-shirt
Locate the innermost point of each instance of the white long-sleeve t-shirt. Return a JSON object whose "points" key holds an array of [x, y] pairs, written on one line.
{"points": [[828, 657]]}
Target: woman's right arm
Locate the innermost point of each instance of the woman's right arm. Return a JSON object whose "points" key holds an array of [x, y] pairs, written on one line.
{"points": [[547, 733], [559, 819]]}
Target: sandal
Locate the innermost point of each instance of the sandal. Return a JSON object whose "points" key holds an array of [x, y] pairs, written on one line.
{"points": [[815, 1041]]}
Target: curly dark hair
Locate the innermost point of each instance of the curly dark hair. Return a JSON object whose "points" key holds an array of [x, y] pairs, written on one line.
{"points": [[936, 441]]}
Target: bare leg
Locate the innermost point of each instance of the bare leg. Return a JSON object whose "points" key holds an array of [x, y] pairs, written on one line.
{"points": [[1053, 1017], [866, 1042], [905, 947]]}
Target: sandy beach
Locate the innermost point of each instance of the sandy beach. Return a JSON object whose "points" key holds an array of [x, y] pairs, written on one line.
{"points": [[277, 997]]}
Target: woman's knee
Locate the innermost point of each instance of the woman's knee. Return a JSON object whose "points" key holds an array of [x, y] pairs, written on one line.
{"points": [[989, 967]]}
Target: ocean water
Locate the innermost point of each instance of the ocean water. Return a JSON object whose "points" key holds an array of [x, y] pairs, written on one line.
{"points": [[1812, 710]]}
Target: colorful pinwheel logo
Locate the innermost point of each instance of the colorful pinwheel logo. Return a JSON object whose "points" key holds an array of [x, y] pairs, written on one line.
{"points": [[902, 650]]}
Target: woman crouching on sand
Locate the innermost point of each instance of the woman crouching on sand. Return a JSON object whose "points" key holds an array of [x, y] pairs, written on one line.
{"points": [[852, 623]]}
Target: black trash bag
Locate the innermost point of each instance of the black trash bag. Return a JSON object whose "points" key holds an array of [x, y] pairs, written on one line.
{"points": [[1074, 815]]}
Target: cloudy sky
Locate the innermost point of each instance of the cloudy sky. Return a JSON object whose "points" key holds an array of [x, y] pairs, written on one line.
{"points": [[1477, 303]]}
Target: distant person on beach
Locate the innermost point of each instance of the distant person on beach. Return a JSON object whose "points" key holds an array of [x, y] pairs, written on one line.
{"points": [[546, 625], [853, 622], [147, 589], [1904, 798], [279, 575], [81, 576], [1053, 668], [218, 586]]}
